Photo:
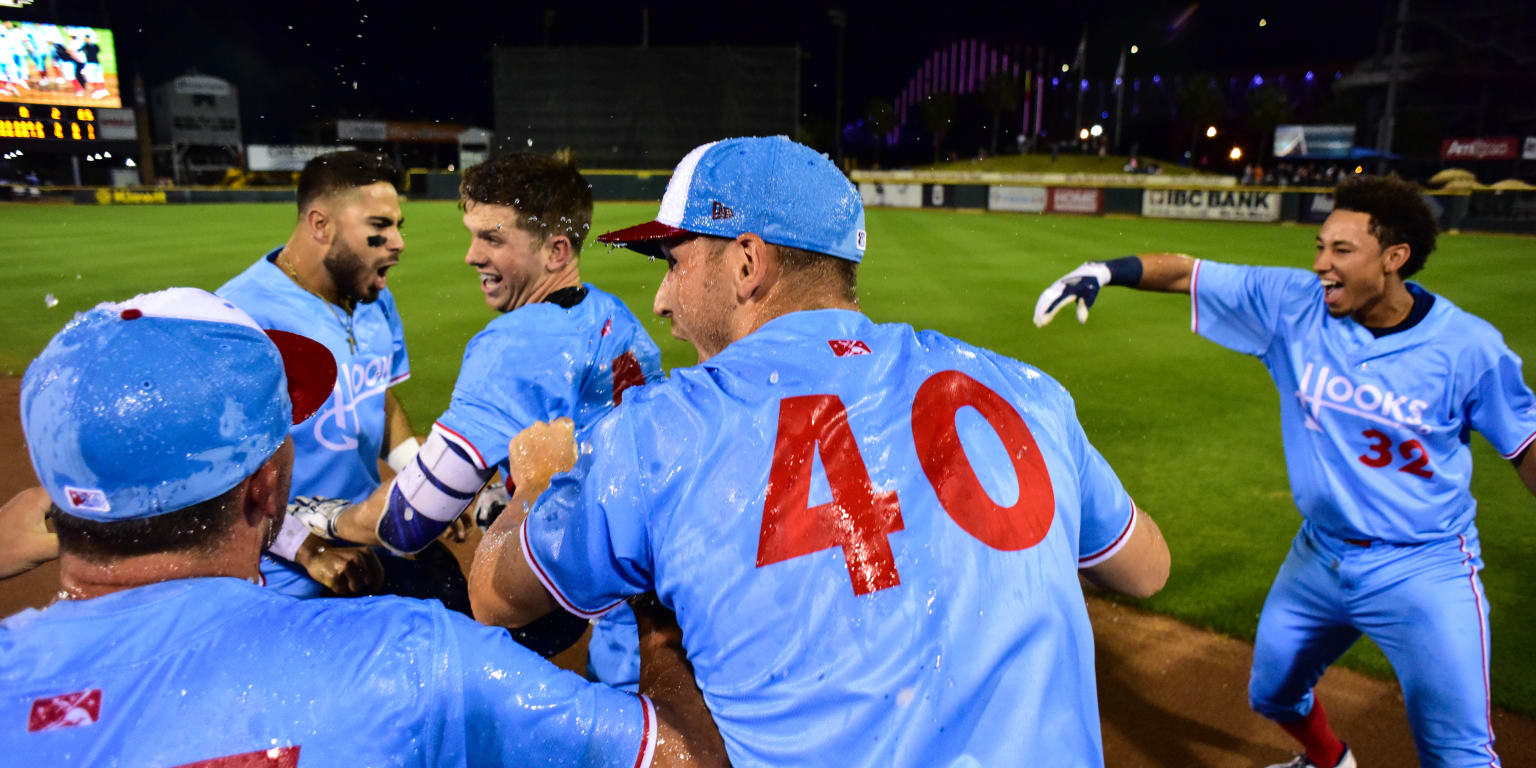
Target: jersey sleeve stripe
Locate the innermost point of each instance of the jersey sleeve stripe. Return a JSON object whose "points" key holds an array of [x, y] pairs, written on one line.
{"points": [[462, 442], [649, 736], [1516, 452], [1194, 297], [1114, 546], [400, 378], [549, 584]]}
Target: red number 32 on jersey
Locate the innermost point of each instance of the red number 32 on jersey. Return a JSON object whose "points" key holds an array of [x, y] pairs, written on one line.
{"points": [[859, 518]]}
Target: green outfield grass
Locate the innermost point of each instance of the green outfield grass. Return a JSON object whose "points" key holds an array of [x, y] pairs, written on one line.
{"points": [[1192, 428]]}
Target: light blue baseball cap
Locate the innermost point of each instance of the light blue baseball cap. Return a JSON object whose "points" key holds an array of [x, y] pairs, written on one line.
{"points": [[786, 193], [163, 401]]}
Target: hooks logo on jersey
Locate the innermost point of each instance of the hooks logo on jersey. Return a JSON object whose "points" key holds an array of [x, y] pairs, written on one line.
{"points": [[336, 425], [1322, 387]]}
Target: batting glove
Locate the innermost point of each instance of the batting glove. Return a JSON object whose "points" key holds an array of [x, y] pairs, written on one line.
{"points": [[1081, 285], [318, 514], [492, 500]]}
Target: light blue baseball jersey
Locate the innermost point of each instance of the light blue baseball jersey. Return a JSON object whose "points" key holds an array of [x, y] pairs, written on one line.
{"points": [[222, 671], [540, 362], [870, 535], [543, 361], [1375, 429], [336, 453]]}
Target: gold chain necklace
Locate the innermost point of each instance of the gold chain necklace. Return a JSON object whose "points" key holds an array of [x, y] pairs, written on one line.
{"points": [[287, 266]]}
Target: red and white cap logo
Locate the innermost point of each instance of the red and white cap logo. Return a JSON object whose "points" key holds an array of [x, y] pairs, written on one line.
{"points": [[65, 710]]}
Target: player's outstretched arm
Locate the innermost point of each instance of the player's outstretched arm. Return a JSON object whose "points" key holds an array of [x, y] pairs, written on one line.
{"points": [[689, 736], [1525, 464], [503, 589], [1162, 272], [25, 541], [1140, 568]]}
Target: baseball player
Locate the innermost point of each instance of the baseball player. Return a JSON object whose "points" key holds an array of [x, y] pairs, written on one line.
{"points": [[871, 535], [560, 348], [328, 283], [1381, 384], [164, 653]]}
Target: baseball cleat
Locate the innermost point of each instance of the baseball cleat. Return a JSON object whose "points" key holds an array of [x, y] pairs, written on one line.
{"points": [[1301, 761]]}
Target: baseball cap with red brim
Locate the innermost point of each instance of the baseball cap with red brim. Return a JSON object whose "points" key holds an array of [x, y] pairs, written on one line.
{"points": [[786, 193], [150, 405]]}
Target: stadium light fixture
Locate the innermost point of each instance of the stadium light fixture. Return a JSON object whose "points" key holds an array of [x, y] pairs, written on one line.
{"points": [[1210, 133], [1083, 134], [1263, 22], [1359, 169], [1135, 50], [1096, 130], [1066, 67], [106, 154], [1236, 153], [130, 163]]}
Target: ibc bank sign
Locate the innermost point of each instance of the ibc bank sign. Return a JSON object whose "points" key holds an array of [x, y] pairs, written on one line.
{"points": [[1231, 205]]}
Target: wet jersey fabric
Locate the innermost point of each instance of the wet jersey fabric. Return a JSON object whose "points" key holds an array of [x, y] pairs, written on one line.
{"points": [[540, 362], [1375, 429], [870, 535], [336, 453], [217, 669]]}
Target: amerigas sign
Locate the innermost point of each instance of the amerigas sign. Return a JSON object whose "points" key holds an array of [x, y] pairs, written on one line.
{"points": [[1490, 148], [1211, 204]]}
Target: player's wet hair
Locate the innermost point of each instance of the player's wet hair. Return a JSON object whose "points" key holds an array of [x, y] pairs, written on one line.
{"points": [[808, 267], [1398, 215], [821, 269], [198, 528], [549, 194], [336, 171]]}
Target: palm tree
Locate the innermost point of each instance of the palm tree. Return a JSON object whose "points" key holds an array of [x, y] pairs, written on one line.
{"points": [[938, 117], [879, 117], [1001, 94], [1268, 107]]}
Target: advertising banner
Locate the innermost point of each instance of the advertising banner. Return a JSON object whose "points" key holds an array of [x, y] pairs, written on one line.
{"points": [[1018, 199], [280, 157], [1076, 200], [876, 194], [1481, 148], [1219, 204]]}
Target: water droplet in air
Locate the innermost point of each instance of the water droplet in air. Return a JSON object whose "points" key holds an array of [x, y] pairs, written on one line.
{"points": [[49, 301]]}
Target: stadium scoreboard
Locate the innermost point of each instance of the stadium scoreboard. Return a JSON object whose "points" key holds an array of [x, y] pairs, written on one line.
{"points": [[48, 123]]}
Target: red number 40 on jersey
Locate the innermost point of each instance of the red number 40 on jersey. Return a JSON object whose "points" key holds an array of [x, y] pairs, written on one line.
{"points": [[859, 518]]}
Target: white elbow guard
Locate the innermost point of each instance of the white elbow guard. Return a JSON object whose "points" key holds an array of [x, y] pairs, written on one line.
{"points": [[400, 456]]}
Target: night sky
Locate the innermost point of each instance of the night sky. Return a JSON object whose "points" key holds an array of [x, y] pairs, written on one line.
{"points": [[297, 63]]}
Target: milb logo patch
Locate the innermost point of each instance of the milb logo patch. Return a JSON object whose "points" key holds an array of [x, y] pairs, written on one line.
{"points": [[719, 211], [65, 710], [88, 499], [848, 347]]}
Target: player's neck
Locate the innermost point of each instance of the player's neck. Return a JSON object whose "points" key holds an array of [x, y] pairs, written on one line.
{"points": [[82, 579], [306, 268], [568, 277], [1390, 308]]}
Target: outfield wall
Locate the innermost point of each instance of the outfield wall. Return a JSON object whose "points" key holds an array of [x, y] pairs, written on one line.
{"points": [[1170, 197]]}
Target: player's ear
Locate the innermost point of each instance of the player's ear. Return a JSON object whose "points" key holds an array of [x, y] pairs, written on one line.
{"points": [[558, 252], [1393, 257], [754, 267], [266, 490], [318, 225]]}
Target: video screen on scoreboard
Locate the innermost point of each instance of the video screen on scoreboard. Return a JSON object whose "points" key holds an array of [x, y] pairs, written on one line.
{"points": [[58, 64], [1314, 141]]}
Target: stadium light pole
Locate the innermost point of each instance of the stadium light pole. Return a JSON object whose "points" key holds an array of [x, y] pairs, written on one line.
{"points": [[839, 19], [1389, 116]]}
